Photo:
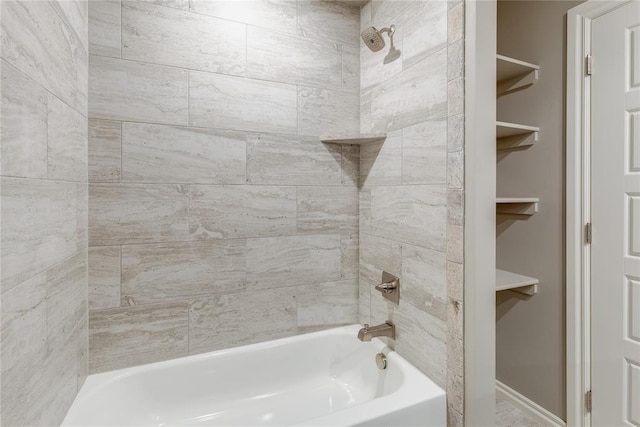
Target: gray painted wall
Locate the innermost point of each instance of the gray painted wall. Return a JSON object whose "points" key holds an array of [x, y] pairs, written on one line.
{"points": [[43, 206], [530, 352]]}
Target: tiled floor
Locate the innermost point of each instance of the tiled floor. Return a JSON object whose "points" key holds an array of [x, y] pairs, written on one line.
{"points": [[508, 415]]}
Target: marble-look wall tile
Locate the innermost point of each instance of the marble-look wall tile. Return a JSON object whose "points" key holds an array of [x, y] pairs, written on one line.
{"points": [[351, 165], [424, 32], [351, 68], [377, 255], [60, 368], [128, 90], [222, 212], [105, 28], [74, 15], [291, 261], [455, 133], [326, 112], [133, 213], [374, 69], [455, 22], [243, 104], [292, 160], [159, 153], [168, 36], [23, 108], [365, 111], [327, 303], [455, 169], [330, 210], [24, 348], [414, 214], [174, 271], [422, 339], [67, 143], [292, 59], [417, 94], [39, 227], [455, 96], [43, 235], [66, 300], [350, 248], [104, 277], [455, 243], [424, 153], [424, 280], [455, 280], [82, 214], [337, 21], [411, 185], [277, 15], [455, 207], [45, 49], [364, 302], [105, 150], [42, 338], [381, 163], [455, 60], [385, 11], [455, 358], [176, 4], [223, 321], [127, 336]]}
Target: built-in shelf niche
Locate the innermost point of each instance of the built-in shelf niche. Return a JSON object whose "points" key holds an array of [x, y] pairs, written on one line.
{"points": [[506, 280], [513, 136], [513, 74], [354, 139], [517, 205]]}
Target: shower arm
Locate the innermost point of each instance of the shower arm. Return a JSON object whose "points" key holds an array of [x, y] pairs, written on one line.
{"points": [[389, 30]]}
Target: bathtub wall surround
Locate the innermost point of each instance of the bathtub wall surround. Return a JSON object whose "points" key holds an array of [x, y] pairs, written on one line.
{"points": [[217, 218], [43, 209], [411, 197]]}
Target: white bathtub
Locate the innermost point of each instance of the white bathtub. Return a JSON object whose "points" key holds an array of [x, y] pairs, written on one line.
{"points": [[326, 378]]}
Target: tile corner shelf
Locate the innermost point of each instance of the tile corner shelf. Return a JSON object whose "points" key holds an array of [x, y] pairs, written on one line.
{"points": [[506, 280], [513, 74], [517, 205], [354, 139], [511, 136]]}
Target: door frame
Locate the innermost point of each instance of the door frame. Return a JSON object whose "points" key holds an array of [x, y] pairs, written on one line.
{"points": [[578, 201]]}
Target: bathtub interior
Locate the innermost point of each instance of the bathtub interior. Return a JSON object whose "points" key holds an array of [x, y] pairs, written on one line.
{"points": [[283, 382]]}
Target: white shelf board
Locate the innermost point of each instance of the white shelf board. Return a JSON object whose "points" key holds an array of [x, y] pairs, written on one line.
{"points": [[506, 129], [354, 139], [508, 68], [513, 74], [503, 200], [506, 280], [517, 205]]}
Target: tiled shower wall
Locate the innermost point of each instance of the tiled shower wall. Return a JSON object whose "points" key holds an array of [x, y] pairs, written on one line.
{"points": [[217, 218], [411, 198], [43, 209]]}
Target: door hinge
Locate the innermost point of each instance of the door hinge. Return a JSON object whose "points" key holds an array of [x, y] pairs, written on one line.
{"points": [[588, 403], [588, 233], [589, 61]]}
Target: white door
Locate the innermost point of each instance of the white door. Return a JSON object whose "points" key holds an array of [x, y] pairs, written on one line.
{"points": [[615, 214]]}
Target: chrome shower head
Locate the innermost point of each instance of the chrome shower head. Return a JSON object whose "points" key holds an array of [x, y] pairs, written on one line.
{"points": [[373, 37]]}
